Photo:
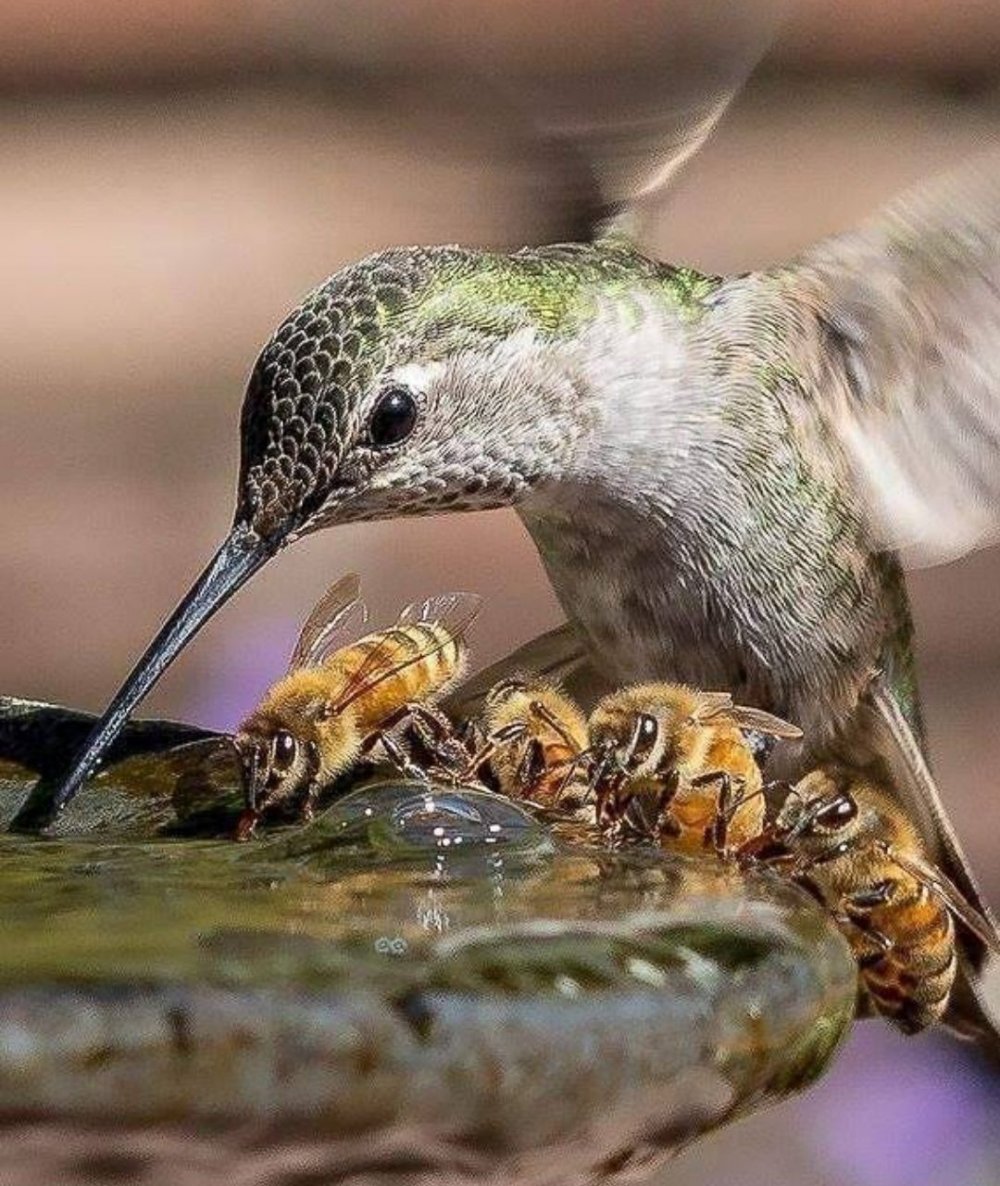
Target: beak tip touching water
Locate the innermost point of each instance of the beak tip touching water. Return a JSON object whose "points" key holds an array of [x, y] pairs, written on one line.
{"points": [[242, 553]]}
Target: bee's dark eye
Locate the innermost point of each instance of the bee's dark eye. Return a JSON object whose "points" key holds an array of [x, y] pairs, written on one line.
{"points": [[644, 737], [836, 813], [393, 418], [285, 749]]}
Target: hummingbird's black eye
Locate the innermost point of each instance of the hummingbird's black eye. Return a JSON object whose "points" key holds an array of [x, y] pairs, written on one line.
{"points": [[285, 749], [393, 418]]}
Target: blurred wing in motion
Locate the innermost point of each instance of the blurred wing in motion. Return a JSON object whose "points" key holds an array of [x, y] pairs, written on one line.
{"points": [[909, 314], [626, 124], [339, 613]]}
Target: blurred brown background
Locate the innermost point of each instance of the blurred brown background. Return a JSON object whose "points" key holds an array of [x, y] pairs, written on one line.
{"points": [[173, 176]]}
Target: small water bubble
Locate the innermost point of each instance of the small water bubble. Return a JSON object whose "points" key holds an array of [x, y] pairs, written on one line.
{"points": [[404, 818]]}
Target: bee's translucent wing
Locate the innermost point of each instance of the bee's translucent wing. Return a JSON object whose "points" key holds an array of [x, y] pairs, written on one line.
{"points": [[951, 895], [763, 722], [338, 614], [453, 611], [720, 704], [713, 704], [905, 315]]}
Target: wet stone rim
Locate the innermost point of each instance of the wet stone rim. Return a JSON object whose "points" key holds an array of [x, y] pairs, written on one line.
{"points": [[520, 1043]]}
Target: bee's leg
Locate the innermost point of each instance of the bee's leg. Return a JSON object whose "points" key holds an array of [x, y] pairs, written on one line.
{"points": [[369, 743], [494, 741], [307, 807], [858, 908], [396, 735], [472, 734], [725, 809], [665, 823], [311, 790], [704, 780], [438, 737], [246, 825], [397, 754], [611, 798], [574, 801], [731, 797], [864, 901], [645, 816], [431, 721], [852, 913], [531, 766], [870, 945]]}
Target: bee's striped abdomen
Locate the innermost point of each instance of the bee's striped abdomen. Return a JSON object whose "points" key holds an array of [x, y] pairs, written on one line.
{"points": [[910, 985], [415, 662]]}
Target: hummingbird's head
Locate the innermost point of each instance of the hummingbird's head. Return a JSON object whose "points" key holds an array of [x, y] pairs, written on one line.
{"points": [[416, 381]]}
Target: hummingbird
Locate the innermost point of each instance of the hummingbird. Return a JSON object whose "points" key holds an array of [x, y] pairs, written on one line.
{"points": [[724, 476]]}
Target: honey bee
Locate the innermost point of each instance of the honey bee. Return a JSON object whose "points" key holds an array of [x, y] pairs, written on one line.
{"points": [[676, 765], [535, 743], [336, 704], [846, 840]]}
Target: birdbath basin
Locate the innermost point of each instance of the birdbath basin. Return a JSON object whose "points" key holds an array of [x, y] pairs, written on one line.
{"points": [[419, 985]]}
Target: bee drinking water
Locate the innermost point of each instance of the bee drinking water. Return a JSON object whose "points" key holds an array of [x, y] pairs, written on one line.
{"points": [[338, 703], [674, 765], [535, 743], [847, 841]]}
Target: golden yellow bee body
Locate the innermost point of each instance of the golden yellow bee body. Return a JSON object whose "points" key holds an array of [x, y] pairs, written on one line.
{"points": [[536, 738], [670, 761], [337, 703], [691, 815], [850, 842], [327, 705]]}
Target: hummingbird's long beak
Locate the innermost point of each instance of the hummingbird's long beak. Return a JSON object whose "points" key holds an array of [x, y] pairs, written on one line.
{"points": [[242, 553]]}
